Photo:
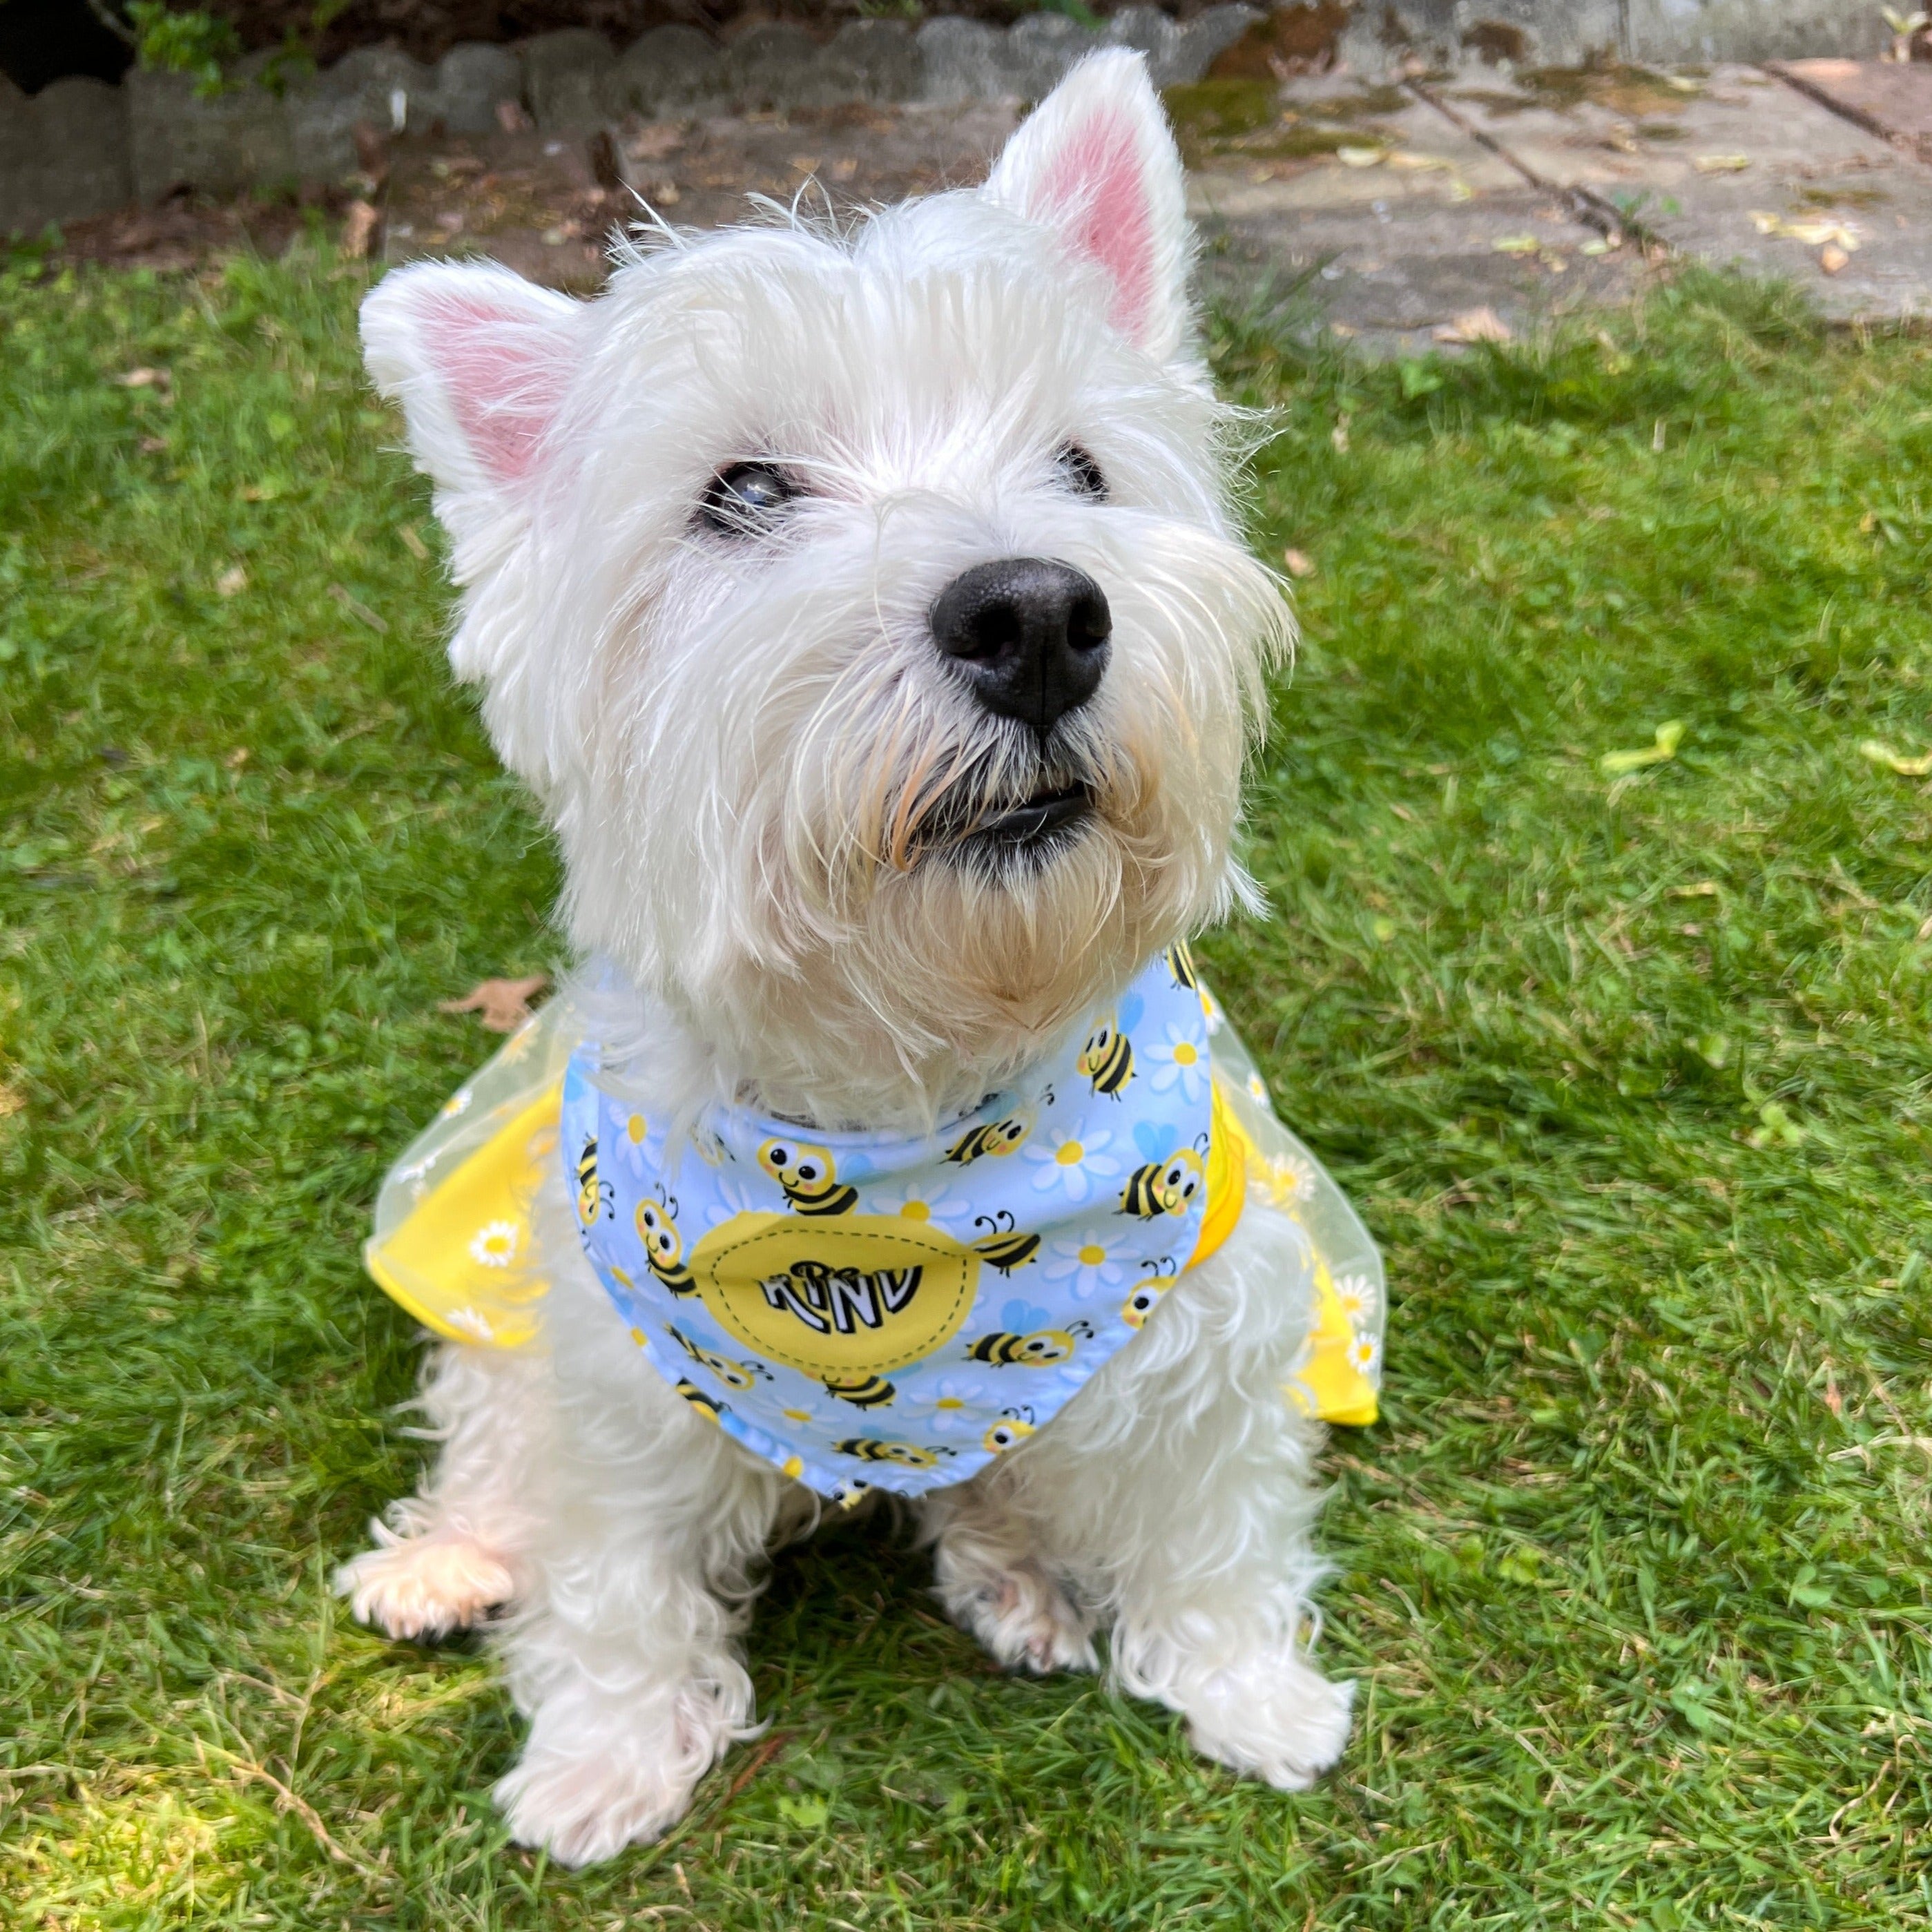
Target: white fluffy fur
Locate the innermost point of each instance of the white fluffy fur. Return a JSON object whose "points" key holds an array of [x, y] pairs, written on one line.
{"points": [[738, 743]]}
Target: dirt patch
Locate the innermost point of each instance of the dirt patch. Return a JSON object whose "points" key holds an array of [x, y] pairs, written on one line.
{"points": [[429, 28], [186, 232]]}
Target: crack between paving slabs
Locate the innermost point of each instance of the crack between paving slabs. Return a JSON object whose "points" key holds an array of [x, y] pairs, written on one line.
{"points": [[1590, 208]]}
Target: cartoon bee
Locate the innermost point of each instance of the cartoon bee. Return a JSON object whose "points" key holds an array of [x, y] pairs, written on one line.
{"points": [[1180, 967], [711, 1409], [732, 1375], [1013, 1427], [1004, 1248], [663, 1245], [1039, 1350], [595, 1199], [861, 1391], [849, 1494], [993, 1137], [1108, 1058], [1164, 1186], [1145, 1299], [811, 1182], [907, 1455]]}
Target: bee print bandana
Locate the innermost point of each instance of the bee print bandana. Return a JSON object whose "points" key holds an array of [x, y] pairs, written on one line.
{"points": [[862, 1310]]}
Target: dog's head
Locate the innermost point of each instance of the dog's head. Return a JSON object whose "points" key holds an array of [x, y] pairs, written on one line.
{"points": [[864, 609]]}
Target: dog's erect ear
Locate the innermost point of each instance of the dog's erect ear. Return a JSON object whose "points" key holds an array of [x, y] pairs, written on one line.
{"points": [[1096, 163], [480, 360]]}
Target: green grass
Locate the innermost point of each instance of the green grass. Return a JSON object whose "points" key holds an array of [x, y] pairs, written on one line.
{"points": [[1629, 1076]]}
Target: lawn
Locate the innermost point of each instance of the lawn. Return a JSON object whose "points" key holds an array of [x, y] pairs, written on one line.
{"points": [[1627, 1069]]}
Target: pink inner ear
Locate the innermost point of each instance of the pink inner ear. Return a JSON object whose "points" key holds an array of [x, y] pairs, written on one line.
{"points": [[1095, 192], [505, 376]]}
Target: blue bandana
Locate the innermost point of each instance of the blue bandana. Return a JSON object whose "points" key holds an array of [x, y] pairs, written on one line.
{"points": [[864, 1310]]}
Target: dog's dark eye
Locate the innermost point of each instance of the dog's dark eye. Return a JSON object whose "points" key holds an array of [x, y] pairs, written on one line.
{"points": [[748, 499], [1081, 473]]}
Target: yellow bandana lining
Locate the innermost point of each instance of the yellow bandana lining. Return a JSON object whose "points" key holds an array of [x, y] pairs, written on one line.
{"points": [[459, 1258]]}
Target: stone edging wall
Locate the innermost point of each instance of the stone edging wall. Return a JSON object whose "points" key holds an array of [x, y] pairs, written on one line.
{"points": [[82, 147]]}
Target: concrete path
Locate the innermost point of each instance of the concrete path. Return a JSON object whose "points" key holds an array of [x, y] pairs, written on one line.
{"points": [[1403, 217], [1528, 197]]}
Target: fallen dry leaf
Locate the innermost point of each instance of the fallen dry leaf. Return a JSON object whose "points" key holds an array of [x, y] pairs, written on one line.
{"points": [[145, 378], [653, 142], [1516, 244], [1663, 747], [1475, 325], [1880, 753], [1339, 436], [503, 1004], [1831, 258], [1813, 234], [512, 119], [358, 230], [1360, 157], [356, 607], [1298, 563], [1420, 163], [154, 446], [231, 582], [1721, 164], [413, 544]]}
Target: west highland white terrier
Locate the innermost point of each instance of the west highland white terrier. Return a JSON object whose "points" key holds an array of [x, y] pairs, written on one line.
{"points": [[866, 611]]}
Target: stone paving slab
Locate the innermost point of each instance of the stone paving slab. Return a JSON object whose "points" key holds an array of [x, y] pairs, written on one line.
{"points": [[1892, 101], [1391, 238], [1735, 166]]}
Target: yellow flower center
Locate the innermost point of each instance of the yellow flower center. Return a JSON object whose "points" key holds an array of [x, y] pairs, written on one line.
{"points": [[1071, 1153], [636, 1128], [797, 1414], [1185, 1054], [915, 1210], [948, 1402], [1092, 1255]]}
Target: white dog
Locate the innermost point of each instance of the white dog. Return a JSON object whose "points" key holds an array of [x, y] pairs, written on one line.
{"points": [[866, 613]]}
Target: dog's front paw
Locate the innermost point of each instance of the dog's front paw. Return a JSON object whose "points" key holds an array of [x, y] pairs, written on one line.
{"points": [[1024, 1619], [1273, 1717], [424, 1586], [586, 1805]]}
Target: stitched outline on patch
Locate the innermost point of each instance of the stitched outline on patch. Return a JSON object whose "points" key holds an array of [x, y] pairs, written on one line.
{"points": [[951, 1322]]}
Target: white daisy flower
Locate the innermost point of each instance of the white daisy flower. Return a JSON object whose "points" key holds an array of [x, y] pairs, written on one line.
{"points": [[1291, 1178], [1258, 1090], [494, 1244], [953, 1403], [627, 1142], [745, 1194], [470, 1323], [1210, 1011], [931, 1203], [1180, 1061], [458, 1103], [1086, 1263], [1365, 1356], [1357, 1293], [1072, 1164]]}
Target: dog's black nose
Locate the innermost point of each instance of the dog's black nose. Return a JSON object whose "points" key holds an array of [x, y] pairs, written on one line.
{"points": [[1030, 637]]}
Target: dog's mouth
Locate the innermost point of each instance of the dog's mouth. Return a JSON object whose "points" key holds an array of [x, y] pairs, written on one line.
{"points": [[1027, 827], [959, 826]]}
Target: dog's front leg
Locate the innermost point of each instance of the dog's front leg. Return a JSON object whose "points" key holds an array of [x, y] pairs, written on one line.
{"points": [[623, 1653], [443, 1558], [1177, 1493]]}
